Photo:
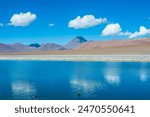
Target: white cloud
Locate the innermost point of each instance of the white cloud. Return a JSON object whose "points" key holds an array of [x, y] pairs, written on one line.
{"points": [[142, 31], [22, 19], [1, 25], [86, 21], [51, 24], [114, 29], [111, 29]]}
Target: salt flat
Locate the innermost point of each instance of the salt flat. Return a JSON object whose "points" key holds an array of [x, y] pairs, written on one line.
{"points": [[115, 58]]}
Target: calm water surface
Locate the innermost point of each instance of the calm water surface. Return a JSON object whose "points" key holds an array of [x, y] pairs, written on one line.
{"points": [[57, 80]]}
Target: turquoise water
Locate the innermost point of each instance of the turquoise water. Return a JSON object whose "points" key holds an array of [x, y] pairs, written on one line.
{"points": [[60, 80]]}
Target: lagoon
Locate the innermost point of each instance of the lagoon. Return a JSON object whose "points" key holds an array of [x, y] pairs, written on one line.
{"points": [[71, 80]]}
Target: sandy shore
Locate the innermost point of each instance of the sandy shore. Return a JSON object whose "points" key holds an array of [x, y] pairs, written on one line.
{"points": [[115, 58]]}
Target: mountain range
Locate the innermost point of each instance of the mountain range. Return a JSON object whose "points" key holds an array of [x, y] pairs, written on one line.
{"points": [[19, 47], [79, 45]]}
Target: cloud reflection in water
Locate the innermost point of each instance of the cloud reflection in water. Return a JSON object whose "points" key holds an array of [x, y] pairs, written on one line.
{"points": [[23, 90], [85, 85], [87, 88], [111, 73], [143, 73], [84, 80]]}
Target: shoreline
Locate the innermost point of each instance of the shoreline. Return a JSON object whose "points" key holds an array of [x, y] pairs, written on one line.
{"points": [[92, 58]]}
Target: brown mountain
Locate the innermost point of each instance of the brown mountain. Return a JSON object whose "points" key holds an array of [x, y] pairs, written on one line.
{"points": [[121, 47], [112, 44]]}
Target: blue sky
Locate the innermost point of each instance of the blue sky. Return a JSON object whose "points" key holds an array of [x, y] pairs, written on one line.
{"points": [[30, 21]]}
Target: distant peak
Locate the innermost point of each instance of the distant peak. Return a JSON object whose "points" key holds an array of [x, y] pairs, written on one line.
{"points": [[75, 42], [80, 39]]}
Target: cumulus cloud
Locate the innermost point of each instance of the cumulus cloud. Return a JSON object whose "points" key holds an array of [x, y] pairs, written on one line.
{"points": [[86, 21], [51, 24], [111, 29], [142, 31], [114, 29], [22, 19], [1, 25]]}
